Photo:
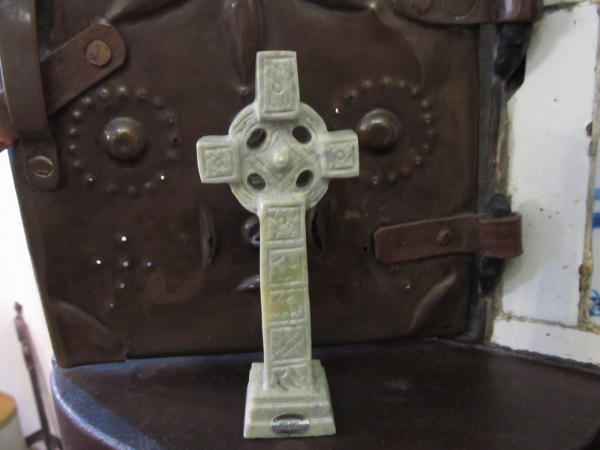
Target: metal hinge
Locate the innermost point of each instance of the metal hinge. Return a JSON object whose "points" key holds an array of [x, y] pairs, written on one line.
{"points": [[34, 90], [498, 238]]}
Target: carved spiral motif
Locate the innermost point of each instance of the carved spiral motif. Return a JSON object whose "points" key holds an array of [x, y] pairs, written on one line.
{"points": [[394, 120], [133, 128]]}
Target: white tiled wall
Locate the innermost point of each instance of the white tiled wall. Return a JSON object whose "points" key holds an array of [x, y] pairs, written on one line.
{"points": [[549, 174]]}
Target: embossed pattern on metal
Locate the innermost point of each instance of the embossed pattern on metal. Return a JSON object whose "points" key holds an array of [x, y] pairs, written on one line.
{"points": [[137, 258]]}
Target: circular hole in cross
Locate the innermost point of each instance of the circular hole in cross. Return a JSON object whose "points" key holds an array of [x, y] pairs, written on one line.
{"points": [[257, 138], [304, 179], [256, 181], [302, 135]]}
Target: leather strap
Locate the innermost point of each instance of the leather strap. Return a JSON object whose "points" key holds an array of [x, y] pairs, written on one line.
{"points": [[24, 94], [66, 73], [493, 238]]}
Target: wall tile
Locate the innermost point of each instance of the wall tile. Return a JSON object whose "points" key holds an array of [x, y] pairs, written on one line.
{"points": [[549, 165], [568, 343], [594, 311]]}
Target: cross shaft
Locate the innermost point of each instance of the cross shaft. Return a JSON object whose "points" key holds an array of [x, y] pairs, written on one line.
{"points": [[278, 158]]}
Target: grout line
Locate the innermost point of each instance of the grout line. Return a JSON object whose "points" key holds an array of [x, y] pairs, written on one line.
{"points": [[509, 317], [587, 266], [567, 5]]}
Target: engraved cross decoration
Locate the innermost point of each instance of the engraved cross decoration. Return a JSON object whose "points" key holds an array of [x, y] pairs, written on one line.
{"points": [[278, 158]]}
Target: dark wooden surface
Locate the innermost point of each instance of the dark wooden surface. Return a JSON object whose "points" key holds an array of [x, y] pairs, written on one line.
{"points": [[426, 395]]}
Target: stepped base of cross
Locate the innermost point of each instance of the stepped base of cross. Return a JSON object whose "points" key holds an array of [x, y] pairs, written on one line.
{"points": [[277, 413]]}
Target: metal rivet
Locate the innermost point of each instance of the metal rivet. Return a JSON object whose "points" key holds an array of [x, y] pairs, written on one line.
{"points": [[444, 237], [379, 130], [173, 156], [367, 85], [77, 115], [98, 53], [125, 138], [391, 178], [351, 95], [421, 6], [386, 82], [158, 103], [459, 8], [88, 102], [111, 189], [132, 191], [123, 92]]}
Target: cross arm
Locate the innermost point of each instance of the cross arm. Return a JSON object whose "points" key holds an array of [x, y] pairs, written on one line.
{"points": [[218, 159], [277, 86], [340, 155]]}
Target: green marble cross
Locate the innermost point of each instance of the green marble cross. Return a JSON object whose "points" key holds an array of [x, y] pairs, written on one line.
{"points": [[278, 158]]}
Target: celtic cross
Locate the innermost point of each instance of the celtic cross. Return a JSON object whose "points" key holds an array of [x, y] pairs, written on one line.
{"points": [[278, 158]]}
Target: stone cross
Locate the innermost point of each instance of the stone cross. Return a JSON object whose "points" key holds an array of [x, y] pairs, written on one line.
{"points": [[278, 159]]}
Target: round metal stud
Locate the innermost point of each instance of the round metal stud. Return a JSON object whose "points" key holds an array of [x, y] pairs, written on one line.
{"points": [[125, 139], [379, 130], [444, 237], [459, 8], [98, 53], [421, 6]]}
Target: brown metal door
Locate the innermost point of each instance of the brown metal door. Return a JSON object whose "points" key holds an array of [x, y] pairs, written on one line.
{"points": [[136, 258]]}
